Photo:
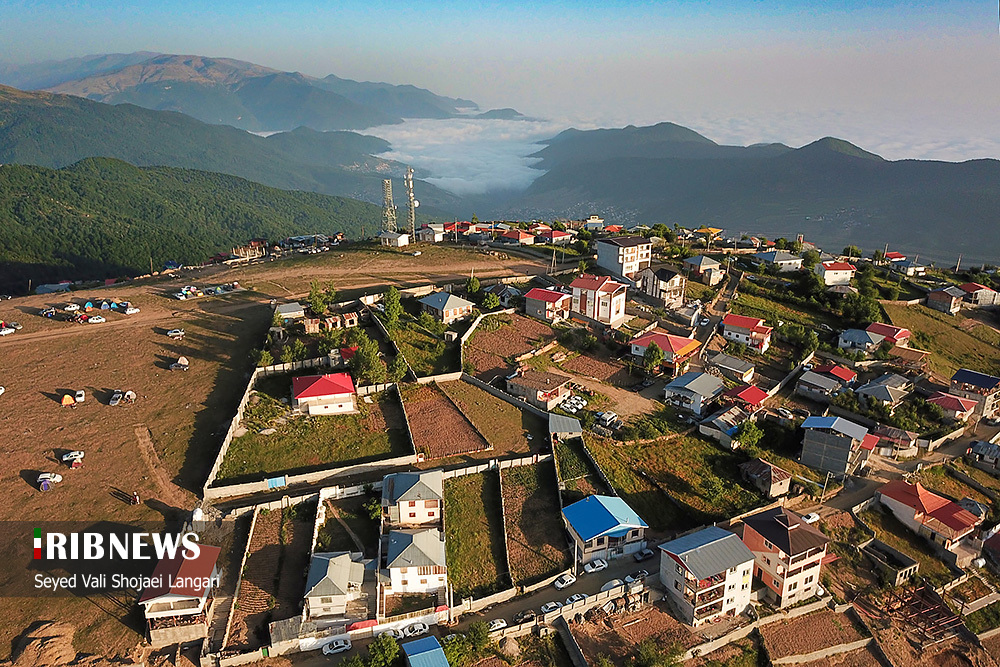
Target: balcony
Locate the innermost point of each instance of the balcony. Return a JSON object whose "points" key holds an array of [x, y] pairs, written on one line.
{"points": [[705, 612], [702, 584], [711, 596]]}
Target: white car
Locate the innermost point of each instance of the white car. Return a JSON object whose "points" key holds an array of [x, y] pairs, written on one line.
{"points": [[812, 517], [595, 566], [551, 606], [395, 633], [50, 477], [576, 597], [785, 413], [176, 333], [337, 646], [614, 583], [131, 310], [564, 581], [636, 576], [6, 331], [496, 624], [69, 457], [416, 630], [2, 390], [96, 319], [70, 307], [80, 396]]}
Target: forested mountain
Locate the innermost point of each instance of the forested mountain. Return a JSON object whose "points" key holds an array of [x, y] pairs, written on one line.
{"points": [[104, 218]]}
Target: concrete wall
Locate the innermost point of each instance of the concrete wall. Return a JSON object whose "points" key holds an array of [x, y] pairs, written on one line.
{"points": [[513, 400]]}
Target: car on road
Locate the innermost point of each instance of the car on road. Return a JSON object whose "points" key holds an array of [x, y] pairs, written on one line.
{"points": [[496, 624], [595, 566], [785, 413], [639, 575], [70, 307], [416, 629], [812, 517], [96, 319], [524, 616], [614, 583], [564, 581], [576, 597], [395, 633], [551, 606], [116, 397], [6, 331], [80, 396], [337, 646], [648, 382], [704, 322], [645, 554]]}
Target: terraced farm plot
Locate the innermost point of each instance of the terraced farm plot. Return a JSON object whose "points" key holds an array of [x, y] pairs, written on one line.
{"points": [[474, 535], [610, 371], [493, 346], [504, 426], [812, 632], [439, 428], [952, 346], [578, 476], [536, 542]]}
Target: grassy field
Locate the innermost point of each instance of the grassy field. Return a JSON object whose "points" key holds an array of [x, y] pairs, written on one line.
{"points": [[695, 290], [306, 442], [937, 479], [426, 353], [505, 427], [474, 535], [984, 619], [981, 476], [536, 540], [951, 347], [888, 529], [333, 537], [758, 306]]}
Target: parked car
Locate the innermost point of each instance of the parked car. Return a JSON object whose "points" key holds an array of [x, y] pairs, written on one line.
{"points": [[785, 413], [337, 646], [639, 575], [416, 629], [131, 310], [395, 633], [595, 566], [564, 581], [704, 322], [70, 307], [812, 517], [96, 319], [15, 325], [614, 583], [453, 637], [801, 412], [116, 397], [176, 333], [826, 327], [645, 554], [2, 390], [5, 297], [80, 396], [496, 624], [6, 331], [608, 607], [524, 616], [551, 606], [576, 597], [50, 477]]}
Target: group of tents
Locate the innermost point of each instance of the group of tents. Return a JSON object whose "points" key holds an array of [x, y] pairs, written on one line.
{"points": [[70, 399]]}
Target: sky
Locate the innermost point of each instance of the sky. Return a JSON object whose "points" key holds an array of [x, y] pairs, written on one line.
{"points": [[905, 79]]}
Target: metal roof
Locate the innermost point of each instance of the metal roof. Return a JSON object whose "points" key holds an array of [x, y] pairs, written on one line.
{"points": [[425, 652], [415, 548], [731, 363], [702, 262], [445, 301], [987, 449], [697, 383], [786, 530], [601, 515], [626, 241], [965, 376], [861, 336], [839, 424], [401, 486], [821, 381], [332, 573], [563, 424], [709, 552]]}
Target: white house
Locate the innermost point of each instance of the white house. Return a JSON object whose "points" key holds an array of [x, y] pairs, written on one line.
{"points": [[624, 255], [413, 498], [178, 603], [548, 305], [927, 514], [416, 563], [781, 260], [394, 239], [693, 391], [328, 394], [431, 234], [335, 580], [599, 298], [446, 307], [664, 285], [749, 331], [835, 273]]}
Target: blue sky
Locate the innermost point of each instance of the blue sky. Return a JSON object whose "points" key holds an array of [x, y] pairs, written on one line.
{"points": [[921, 75]]}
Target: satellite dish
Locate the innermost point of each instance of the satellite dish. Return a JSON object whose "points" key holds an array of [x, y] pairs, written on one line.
{"points": [[415, 203]]}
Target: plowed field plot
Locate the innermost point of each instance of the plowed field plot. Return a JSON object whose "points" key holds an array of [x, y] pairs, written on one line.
{"points": [[536, 545], [611, 372], [439, 428], [862, 657], [504, 426], [618, 638], [272, 583], [812, 632], [474, 537], [500, 338]]}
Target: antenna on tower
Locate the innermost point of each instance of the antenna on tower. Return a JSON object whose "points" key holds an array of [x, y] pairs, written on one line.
{"points": [[388, 208], [411, 203]]}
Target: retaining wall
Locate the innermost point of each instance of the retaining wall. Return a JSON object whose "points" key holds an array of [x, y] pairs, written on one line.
{"points": [[824, 653]]}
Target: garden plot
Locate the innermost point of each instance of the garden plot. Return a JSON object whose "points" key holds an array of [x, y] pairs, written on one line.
{"points": [[438, 427], [508, 429], [578, 475], [499, 338], [536, 540], [618, 637], [808, 633], [474, 535], [355, 522]]}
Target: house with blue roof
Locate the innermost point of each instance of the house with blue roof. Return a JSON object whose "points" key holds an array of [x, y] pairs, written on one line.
{"points": [[424, 652], [982, 388], [604, 527]]}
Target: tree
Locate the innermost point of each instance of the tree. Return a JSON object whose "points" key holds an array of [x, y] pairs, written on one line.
{"points": [[263, 358], [397, 369], [384, 650], [393, 307], [652, 357], [491, 301], [287, 355], [878, 256], [852, 251], [582, 266], [317, 300], [651, 654], [298, 350], [367, 362], [749, 435], [276, 320], [330, 292], [860, 309], [472, 285], [809, 259], [478, 635]]}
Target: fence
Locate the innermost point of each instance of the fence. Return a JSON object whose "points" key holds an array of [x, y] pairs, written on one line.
{"points": [[330, 360], [791, 375], [823, 653], [441, 377], [931, 445], [499, 393]]}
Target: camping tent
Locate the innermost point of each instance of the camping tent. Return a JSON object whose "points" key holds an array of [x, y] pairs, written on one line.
{"points": [[68, 399], [88, 306], [105, 305], [129, 396]]}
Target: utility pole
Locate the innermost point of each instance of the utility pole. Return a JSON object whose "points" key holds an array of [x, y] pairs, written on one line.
{"points": [[958, 264]]}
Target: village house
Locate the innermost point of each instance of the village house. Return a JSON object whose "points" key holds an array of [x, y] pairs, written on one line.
{"points": [[517, 237], [677, 350], [788, 554], [888, 390], [769, 479], [894, 257], [415, 560], [334, 586], [859, 340], [779, 260], [982, 388], [910, 268], [328, 394], [733, 368], [505, 293], [594, 223], [178, 605], [289, 312], [446, 307], [539, 388], [955, 408], [946, 299], [985, 456], [747, 396], [895, 335], [431, 234], [600, 299], [937, 519], [548, 305], [894, 442], [693, 391], [664, 285], [842, 374], [424, 652], [816, 387], [394, 239], [554, 237], [708, 575], [603, 527], [413, 498], [624, 256], [724, 426], [749, 331], [705, 269], [835, 273], [834, 444], [979, 295]]}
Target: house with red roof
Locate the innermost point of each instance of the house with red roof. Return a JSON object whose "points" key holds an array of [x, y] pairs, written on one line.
{"points": [[599, 298], [749, 331], [954, 407], [980, 295], [677, 350], [895, 335], [554, 237], [750, 396], [517, 237], [941, 521], [547, 304], [835, 273], [178, 602], [328, 394], [843, 374], [893, 256]]}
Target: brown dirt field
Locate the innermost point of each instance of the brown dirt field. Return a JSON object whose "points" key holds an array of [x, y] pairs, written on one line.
{"points": [[617, 638], [808, 633], [611, 372], [536, 543], [951, 653], [489, 350], [439, 429], [864, 657]]}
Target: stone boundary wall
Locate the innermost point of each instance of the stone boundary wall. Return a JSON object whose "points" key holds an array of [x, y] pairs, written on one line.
{"points": [[824, 653]]}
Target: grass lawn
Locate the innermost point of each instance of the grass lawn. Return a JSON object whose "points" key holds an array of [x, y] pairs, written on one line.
{"points": [[474, 532], [907, 292], [888, 529], [937, 479], [333, 537], [536, 540], [951, 347], [311, 442], [981, 476], [504, 426], [984, 619], [426, 353], [759, 306], [695, 290]]}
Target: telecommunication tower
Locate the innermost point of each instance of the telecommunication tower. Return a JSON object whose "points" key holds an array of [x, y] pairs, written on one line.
{"points": [[411, 203], [388, 208]]}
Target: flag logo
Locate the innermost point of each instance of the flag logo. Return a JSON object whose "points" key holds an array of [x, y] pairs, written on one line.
{"points": [[38, 543]]}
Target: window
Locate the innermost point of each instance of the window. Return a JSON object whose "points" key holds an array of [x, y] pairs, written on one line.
{"points": [[792, 586], [744, 587], [325, 600], [809, 579], [413, 515], [680, 570], [413, 503], [402, 570], [677, 584], [405, 582], [423, 581]]}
